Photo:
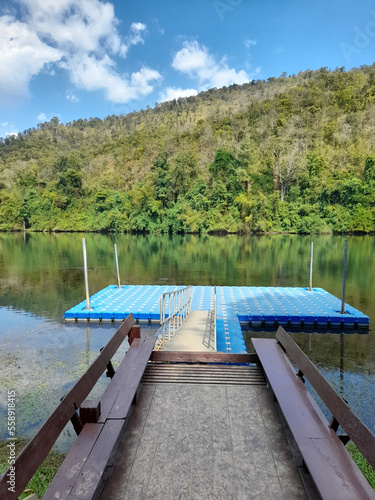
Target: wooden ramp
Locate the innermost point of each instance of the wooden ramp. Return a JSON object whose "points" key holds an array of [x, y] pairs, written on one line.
{"points": [[196, 334], [210, 439]]}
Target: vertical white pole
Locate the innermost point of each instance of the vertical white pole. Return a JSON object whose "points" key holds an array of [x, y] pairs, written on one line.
{"points": [[215, 341], [344, 277], [180, 312], [117, 269], [86, 274], [162, 318], [170, 317], [311, 264]]}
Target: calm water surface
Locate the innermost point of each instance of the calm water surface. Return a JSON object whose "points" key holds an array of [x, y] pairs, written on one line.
{"points": [[41, 276]]}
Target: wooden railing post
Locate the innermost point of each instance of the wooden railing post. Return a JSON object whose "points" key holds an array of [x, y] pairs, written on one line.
{"points": [[135, 333]]}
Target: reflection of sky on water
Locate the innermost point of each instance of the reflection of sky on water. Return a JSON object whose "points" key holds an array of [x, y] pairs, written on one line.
{"points": [[41, 360]]}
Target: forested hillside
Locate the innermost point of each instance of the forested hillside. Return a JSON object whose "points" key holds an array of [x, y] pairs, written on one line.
{"points": [[290, 154]]}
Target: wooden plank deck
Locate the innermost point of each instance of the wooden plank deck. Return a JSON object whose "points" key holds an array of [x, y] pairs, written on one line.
{"points": [[204, 441]]}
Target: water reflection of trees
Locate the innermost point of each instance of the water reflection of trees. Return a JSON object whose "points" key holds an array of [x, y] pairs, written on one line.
{"points": [[42, 273], [50, 265]]}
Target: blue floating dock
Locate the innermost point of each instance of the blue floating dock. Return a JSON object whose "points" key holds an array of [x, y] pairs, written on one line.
{"points": [[257, 306]]}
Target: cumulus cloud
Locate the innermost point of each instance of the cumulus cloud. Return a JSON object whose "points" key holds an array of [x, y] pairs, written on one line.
{"points": [[171, 93], [91, 73], [80, 36], [194, 60], [22, 55]]}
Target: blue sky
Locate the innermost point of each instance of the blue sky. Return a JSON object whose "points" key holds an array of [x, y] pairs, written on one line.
{"points": [[89, 58]]}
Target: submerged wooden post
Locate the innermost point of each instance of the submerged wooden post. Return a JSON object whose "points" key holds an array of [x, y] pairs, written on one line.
{"points": [[311, 264], [344, 277], [86, 274], [117, 268]]}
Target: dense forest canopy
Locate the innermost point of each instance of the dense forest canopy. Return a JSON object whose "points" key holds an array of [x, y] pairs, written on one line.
{"points": [[291, 154]]}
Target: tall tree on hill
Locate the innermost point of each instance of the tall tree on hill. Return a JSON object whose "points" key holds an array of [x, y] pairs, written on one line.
{"points": [[287, 165], [162, 178]]}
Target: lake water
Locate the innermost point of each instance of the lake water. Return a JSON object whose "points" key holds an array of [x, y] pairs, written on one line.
{"points": [[41, 276]]}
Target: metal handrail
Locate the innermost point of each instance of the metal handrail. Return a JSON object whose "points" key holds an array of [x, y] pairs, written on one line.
{"points": [[174, 309], [214, 314]]}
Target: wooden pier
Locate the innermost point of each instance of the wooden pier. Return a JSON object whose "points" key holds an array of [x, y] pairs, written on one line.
{"points": [[219, 438], [201, 425]]}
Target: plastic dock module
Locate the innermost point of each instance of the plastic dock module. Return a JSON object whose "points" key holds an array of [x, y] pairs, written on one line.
{"points": [[257, 306]]}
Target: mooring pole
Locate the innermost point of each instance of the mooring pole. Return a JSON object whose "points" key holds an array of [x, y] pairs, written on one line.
{"points": [[86, 274], [117, 270], [311, 264], [344, 277]]}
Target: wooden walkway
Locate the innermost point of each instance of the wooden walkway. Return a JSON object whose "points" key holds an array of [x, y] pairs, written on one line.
{"points": [[205, 426], [209, 439], [196, 334]]}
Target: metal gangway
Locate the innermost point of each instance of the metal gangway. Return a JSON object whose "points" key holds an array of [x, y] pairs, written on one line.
{"points": [[176, 316]]}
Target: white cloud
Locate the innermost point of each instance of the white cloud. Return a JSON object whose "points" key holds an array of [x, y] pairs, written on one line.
{"points": [[171, 93], [42, 117], [195, 60], [140, 81], [75, 25], [91, 73], [22, 55], [80, 36], [135, 36]]}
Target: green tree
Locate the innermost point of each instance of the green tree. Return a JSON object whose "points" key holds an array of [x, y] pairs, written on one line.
{"points": [[162, 178], [224, 170], [287, 165], [184, 172], [369, 172]]}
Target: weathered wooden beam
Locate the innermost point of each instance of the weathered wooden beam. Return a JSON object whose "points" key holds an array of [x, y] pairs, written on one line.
{"points": [[357, 431], [77, 423], [333, 471], [110, 372], [202, 357], [90, 411], [38, 448], [334, 423], [135, 333], [74, 462], [82, 475]]}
